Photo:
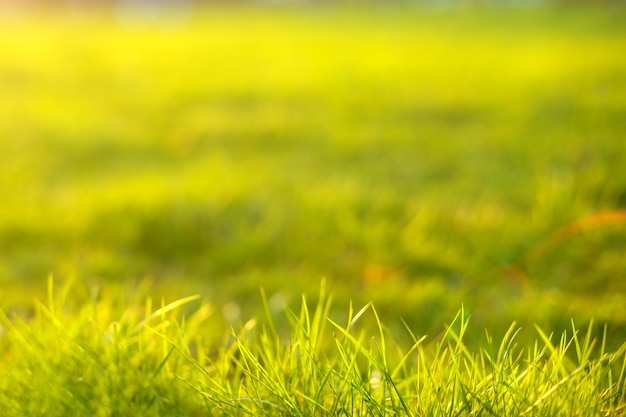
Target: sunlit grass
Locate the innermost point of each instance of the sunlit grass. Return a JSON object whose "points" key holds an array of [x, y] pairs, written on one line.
{"points": [[85, 354], [417, 160]]}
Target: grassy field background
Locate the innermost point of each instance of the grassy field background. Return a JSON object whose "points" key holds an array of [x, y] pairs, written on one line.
{"points": [[418, 160]]}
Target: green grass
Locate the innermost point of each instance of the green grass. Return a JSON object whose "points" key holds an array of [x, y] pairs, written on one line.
{"points": [[94, 358], [420, 161], [423, 153]]}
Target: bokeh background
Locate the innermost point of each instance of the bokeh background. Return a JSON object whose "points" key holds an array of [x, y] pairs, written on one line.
{"points": [[420, 154]]}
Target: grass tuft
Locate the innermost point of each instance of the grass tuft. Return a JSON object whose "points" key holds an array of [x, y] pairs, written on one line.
{"points": [[85, 357]]}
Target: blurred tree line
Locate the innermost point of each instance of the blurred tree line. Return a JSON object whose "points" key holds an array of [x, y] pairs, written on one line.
{"points": [[78, 4]]}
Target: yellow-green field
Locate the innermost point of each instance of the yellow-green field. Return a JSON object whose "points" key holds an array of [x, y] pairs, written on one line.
{"points": [[406, 157], [420, 160]]}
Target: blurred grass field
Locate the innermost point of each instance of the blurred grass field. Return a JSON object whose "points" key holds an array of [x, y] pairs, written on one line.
{"points": [[419, 160]]}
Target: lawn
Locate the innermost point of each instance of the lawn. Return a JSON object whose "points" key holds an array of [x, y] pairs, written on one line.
{"points": [[440, 164]]}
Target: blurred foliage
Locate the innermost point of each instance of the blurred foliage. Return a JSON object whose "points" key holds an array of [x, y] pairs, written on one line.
{"points": [[420, 160], [438, 4]]}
